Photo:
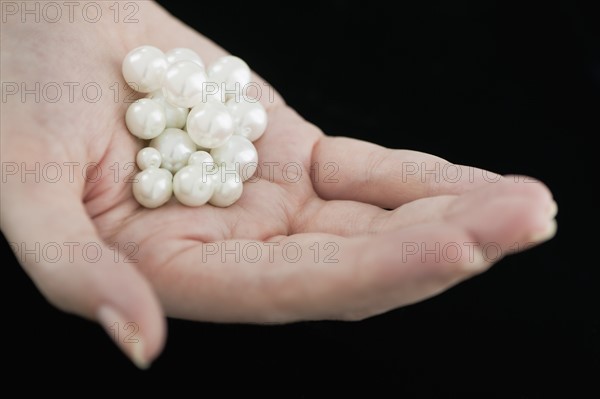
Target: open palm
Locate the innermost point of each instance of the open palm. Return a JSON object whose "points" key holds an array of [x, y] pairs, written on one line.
{"points": [[331, 228]]}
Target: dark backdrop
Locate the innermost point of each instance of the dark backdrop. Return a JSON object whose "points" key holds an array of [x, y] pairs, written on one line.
{"points": [[509, 86]]}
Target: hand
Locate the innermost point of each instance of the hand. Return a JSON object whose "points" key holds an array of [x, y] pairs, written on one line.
{"points": [[376, 234]]}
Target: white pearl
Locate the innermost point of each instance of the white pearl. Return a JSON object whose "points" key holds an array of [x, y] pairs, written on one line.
{"points": [[228, 188], [148, 158], [192, 187], [213, 92], [145, 118], [176, 116], [232, 71], [184, 84], [209, 124], [183, 54], [153, 187], [200, 157], [175, 147], [249, 117], [239, 153], [144, 68]]}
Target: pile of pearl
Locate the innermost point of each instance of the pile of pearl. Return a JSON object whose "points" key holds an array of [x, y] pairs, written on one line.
{"points": [[200, 134]]}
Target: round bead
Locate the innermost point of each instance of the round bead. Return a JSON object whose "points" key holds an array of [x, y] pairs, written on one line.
{"points": [[175, 147], [232, 71], [209, 124], [145, 118], [184, 84], [153, 187], [249, 117], [239, 153], [176, 116], [183, 54], [228, 188], [144, 68], [148, 158], [200, 158], [192, 187]]}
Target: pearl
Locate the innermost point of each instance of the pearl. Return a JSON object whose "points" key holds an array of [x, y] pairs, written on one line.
{"points": [[228, 188], [209, 124], [232, 71], [153, 187], [144, 68], [199, 158], [176, 116], [145, 118], [175, 147], [239, 153], [249, 117], [192, 187], [148, 158], [184, 84], [183, 54]]}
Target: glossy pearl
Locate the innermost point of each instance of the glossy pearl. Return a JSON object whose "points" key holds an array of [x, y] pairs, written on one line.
{"points": [[232, 71], [176, 116], [148, 158], [239, 153], [228, 188], [153, 187], [249, 117], [145, 118], [209, 124], [183, 54], [144, 68], [184, 84], [192, 187], [175, 147], [200, 158]]}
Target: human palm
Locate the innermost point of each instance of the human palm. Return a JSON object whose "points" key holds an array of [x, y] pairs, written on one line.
{"points": [[331, 228]]}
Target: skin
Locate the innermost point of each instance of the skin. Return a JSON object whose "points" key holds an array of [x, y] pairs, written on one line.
{"points": [[370, 224]]}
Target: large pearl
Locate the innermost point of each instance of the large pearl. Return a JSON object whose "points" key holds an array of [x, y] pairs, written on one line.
{"points": [[153, 187], [144, 68], [148, 157], [239, 153], [232, 71], [249, 117], [175, 147], [184, 84], [228, 188], [192, 187], [176, 116], [209, 124], [183, 54], [145, 118]]}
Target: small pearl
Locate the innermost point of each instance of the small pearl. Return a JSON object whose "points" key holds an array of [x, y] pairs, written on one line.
{"points": [[153, 187], [148, 158], [200, 157], [183, 54], [209, 124], [145, 118], [192, 187], [175, 147], [249, 117], [176, 116], [144, 68], [228, 188], [239, 153], [232, 71], [184, 84]]}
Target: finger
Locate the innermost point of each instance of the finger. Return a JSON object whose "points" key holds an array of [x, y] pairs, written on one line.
{"points": [[55, 241], [315, 276], [366, 172]]}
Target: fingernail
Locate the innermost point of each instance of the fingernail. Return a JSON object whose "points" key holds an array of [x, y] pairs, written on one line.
{"points": [[477, 261], [547, 233], [124, 333], [552, 210]]}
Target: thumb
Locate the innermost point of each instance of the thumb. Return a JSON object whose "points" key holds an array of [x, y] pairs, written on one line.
{"points": [[57, 244]]}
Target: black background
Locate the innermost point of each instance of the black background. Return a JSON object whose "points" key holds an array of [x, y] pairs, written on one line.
{"points": [[512, 87]]}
